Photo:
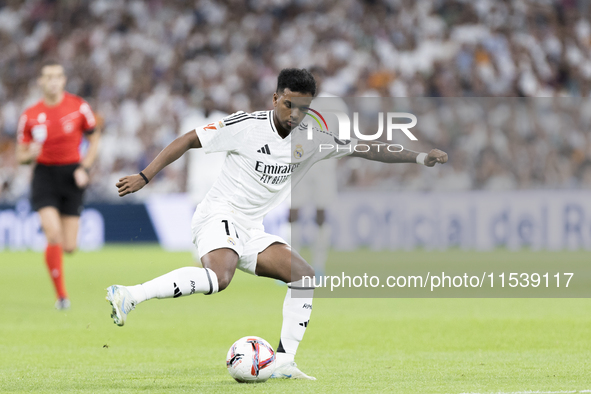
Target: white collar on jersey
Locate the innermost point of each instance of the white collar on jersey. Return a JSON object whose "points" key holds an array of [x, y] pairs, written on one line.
{"points": [[272, 122]]}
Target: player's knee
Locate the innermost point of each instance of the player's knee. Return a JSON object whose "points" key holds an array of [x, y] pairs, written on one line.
{"points": [[53, 237], [224, 280], [303, 271], [308, 271], [222, 262], [69, 249]]}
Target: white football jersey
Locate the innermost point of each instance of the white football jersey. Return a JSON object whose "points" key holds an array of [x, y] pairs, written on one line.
{"points": [[260, 166]]}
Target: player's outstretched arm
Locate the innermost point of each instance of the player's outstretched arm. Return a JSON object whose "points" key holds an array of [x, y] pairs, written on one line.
{"points": [[133, 183], [379, 152]]}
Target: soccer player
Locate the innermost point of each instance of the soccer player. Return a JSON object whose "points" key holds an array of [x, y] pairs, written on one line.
{"points": [[49, 135], [261, 165]]}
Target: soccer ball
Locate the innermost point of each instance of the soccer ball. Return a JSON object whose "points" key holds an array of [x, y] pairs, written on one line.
{"points": [[251, 359]]}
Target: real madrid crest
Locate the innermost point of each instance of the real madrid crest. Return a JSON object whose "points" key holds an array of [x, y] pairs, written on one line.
{"points": [[298, 153]]}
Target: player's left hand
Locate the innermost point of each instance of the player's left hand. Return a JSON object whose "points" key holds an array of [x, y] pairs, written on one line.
{"points": [[435, 156], [130, 184], [81, 177]]}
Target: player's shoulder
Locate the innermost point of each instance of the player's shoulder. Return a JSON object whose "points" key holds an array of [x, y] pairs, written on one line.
{"points": [[76, 103], [319, 134], [34, 110], [245, 117], [318, 131], [241, 115], [72, 99]]}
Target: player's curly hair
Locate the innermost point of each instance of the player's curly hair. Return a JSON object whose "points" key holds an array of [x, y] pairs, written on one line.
{"points": [[297, 80]]}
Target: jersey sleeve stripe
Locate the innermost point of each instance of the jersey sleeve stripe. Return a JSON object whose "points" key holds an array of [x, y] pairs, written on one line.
{"points": [[230, 121], [233, 117], [87, 112], [237, 120], [242, 119], [260, 114]]}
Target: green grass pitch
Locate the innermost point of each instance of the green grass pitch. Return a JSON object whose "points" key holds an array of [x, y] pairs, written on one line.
{"points": [[352, 345]]}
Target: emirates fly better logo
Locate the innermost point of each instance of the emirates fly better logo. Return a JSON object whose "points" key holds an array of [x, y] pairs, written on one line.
{"points": [[344, 126]]}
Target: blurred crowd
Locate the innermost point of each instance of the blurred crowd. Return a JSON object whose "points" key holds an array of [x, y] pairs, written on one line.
{"points": [[144, 66], [521, 143]]}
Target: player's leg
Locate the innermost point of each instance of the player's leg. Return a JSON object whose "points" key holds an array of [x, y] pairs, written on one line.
{"points": [[70, 206], [279, 261], [217, 272], [70, 225], [45, 199], [219, 267], [60, 219], [219, 241], [51, 225]]}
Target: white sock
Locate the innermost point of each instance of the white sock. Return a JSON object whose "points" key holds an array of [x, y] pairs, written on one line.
{"points": [[181, 282], [195, 254], [297, 309], [283, 358], [320, 248], [296, 236]]}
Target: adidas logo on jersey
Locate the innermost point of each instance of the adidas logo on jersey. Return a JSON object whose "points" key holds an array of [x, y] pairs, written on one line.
{"points": [[265, 149]]}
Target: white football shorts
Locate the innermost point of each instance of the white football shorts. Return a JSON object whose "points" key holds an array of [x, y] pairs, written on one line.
{"points": [[223, 230]]}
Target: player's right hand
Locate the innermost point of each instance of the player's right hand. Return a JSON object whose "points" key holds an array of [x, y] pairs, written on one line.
{"points": [[35, 150], [130, 184]]}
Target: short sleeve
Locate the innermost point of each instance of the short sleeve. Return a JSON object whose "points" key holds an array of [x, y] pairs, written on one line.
{"points": [[89, 121], [24, 135], [224, 135]]}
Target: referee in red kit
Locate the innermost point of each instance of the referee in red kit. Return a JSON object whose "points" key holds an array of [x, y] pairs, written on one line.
{"points": [[49, 134]]}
